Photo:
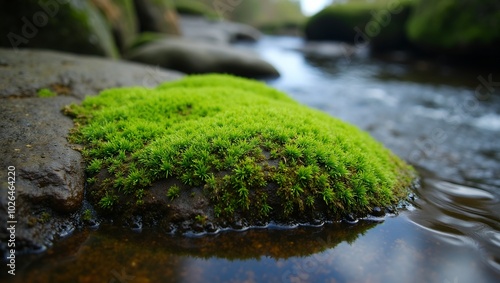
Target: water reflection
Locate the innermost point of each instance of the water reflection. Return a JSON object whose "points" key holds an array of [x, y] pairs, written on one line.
{"points": [[152, 256]]}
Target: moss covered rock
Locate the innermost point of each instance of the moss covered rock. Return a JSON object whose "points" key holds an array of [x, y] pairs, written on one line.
{"points": [[457, 27], [337, 22], [381, 23], [216, 150], [391, 21], [73, 26]]}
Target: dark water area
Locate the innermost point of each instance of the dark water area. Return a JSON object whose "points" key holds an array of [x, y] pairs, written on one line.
{"points": [[444, 120]]}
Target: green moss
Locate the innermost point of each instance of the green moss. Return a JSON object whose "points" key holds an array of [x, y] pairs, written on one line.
{"points": [[455, 24], [173, 192], [252, 149], [45, 92], [87, 215], [108, 201]]}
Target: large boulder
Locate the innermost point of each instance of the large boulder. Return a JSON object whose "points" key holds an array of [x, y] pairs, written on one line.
{"points": [[339, 22], [381, 24], [213, 151], [74, 26], [49, 170], [198, 57]]}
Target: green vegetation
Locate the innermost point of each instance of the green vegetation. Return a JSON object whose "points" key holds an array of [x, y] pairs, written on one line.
{"points": [[45, 92], [450, 24], [108, 201], [173, 192], [360, 21], [337, 22], [87, 215], [194, 8], [441, 27], [252, 149], [75, 26]]}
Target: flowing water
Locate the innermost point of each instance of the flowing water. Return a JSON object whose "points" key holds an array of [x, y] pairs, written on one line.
{"points": [[443, 120]]}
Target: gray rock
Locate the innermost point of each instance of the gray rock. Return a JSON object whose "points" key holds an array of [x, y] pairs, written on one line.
{"points": [[191, 56], [49, 171], [24, 72]]}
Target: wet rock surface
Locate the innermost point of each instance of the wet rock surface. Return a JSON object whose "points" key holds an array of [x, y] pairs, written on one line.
{"points": [[49, 170], [24, 72]]}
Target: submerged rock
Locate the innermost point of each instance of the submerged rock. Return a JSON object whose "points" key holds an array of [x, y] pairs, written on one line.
{"points": [[49, 171], [195, 57], [230, 152]]}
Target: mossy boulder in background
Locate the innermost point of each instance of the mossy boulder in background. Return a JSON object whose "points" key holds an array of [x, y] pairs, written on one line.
{"points": [[73, 26], [464, 27], [215, 151], [392, 25], [381, 24], [338, 22]]}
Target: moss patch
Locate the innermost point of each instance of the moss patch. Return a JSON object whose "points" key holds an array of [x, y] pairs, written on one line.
{"points": [[252, 152], [45, 92]]}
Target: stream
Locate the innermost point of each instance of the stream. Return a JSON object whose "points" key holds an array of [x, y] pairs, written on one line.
{"points": [[444, 120]]}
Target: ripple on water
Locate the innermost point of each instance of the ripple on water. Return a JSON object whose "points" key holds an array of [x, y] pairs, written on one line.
{"points": [[460, 215]]}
